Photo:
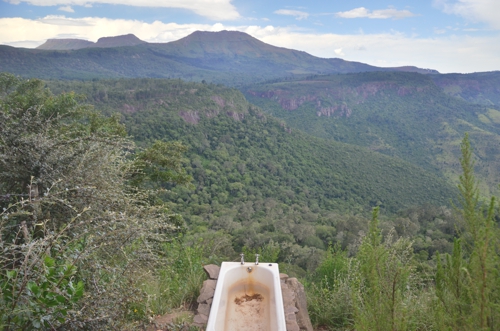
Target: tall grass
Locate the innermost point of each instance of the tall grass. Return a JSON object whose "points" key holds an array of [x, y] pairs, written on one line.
{"points": [[330, 290], [177, 282]]}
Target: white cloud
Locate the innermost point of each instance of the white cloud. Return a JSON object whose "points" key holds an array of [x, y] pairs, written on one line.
{"points": [[64, 21], [213, 9], [446, 53], [362, 12], [299, 15], [67, 9], [13, 30], [487, 11], [439, 31]]}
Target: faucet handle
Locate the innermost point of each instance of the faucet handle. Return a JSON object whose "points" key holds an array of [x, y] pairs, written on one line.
{"points": [[242, 258], [257, 258]]}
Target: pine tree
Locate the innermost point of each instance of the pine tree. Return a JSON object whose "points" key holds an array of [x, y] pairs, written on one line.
{"points": [[387, 272], [466, 283]]}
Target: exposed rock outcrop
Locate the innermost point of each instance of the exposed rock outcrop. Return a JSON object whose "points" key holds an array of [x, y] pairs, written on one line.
{"points": [[221, 106], [206, 295], [218, 100], [128, 109], [190, 116], [342, 110], [236, 116], [295, 304], [333, 100]]}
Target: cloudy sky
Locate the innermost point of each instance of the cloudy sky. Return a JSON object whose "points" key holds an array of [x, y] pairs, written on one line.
{"points": [[446, 35]]}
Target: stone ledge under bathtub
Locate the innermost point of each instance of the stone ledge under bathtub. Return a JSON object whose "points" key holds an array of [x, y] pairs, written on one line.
{"points": [[300, 303], [206, 295], [207, 291], [212, 271], [294, 301]]}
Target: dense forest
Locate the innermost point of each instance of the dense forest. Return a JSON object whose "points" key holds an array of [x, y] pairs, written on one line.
{"points": [[112, 198], [256, 178], [405, 115]]}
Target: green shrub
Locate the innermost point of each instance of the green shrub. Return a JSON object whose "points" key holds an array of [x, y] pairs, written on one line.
{"points": [[38, 291]]}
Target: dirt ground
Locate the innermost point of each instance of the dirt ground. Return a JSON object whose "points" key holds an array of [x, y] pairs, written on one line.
{"points": [[180, 321]]}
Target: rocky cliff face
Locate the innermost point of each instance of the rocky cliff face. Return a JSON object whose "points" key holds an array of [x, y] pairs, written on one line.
{"points": [[220, 105], [291, 103], [481, 88], [333, 101]]}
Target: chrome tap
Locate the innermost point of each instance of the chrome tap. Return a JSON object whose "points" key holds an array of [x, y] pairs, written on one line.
{"points": [[242, 258], [257, 259]]}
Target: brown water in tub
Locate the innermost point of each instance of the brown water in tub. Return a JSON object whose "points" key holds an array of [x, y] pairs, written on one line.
{"points": [[248, 307]]}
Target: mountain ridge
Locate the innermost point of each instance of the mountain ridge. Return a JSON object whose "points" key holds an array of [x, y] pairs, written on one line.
{"points": [[228, 57], [231, 58], [103, 42], [212, 38], [64, 44]]}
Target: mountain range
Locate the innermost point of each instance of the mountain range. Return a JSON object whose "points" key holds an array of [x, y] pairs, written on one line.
{"points": [[416, 115], [228, 57]]}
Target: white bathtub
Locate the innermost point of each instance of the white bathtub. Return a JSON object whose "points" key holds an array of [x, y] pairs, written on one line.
{"points": [[247, 301]]}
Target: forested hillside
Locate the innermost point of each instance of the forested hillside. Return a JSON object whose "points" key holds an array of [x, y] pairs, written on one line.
{"points": [[255, 177], [99, 232], [404, 115], [226, 134], [479, 87]]}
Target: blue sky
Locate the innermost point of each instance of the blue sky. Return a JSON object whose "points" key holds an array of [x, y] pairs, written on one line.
{"points": [[446, 35]]}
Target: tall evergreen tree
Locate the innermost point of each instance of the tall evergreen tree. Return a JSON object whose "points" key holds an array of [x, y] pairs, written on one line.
{"points": [[388, 276], [467, 281]]}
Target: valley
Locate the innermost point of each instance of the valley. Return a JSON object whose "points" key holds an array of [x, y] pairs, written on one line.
{"points": [[373, 185]]}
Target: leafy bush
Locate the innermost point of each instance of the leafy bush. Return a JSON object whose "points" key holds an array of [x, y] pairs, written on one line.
{"points": [[40, 292], [76, 237]]}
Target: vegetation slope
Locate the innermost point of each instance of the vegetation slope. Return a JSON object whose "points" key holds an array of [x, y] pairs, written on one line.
{"points": [[255, 177], [113, 265], [399, 114]]}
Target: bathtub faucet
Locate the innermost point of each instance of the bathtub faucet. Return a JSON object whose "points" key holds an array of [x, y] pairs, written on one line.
{"points": [[242, 258], [257, 259]]}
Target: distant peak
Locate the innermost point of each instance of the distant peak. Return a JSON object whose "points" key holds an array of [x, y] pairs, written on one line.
{"points": [[105, 42], [117, 41], [65, 44], [225, 34]]}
